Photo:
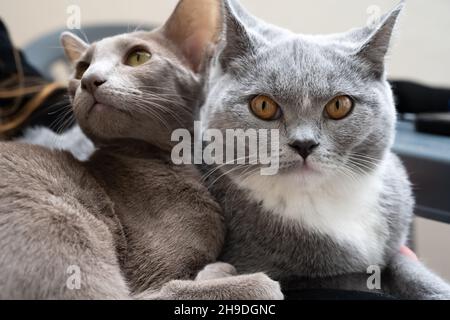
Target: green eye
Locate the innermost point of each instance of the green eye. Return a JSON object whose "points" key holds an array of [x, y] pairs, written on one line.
{"points": [[137, 58]]}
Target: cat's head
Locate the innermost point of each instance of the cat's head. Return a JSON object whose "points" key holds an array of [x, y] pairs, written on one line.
{"points": [[327, 95], [143, 85]]}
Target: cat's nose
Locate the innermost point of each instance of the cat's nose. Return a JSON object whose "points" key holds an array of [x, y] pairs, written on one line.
{"points": [[91, 83], [304, 147]]}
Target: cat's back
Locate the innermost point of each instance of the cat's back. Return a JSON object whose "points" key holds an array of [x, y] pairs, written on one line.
{"points": [[31, 166], [33, 175], [51, 209], [30, 171]]}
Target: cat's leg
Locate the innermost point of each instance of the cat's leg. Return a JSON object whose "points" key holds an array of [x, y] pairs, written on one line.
{"points": [[69, 255], [215, 271], [410, 279], [256, 286], [266, 288], [51, 250], [218, 281]]}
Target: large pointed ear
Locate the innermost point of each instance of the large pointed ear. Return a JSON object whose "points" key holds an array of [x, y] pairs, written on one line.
{"points": [[374, 49], [236, 40], [194, 26], [73, 46]]}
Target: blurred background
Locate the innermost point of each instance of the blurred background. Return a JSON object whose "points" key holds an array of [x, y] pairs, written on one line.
{"points": [[421, 51]]}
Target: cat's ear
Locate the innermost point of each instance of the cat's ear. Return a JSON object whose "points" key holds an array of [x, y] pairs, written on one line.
{"points": [[194, 27], [376, 46], [236, 40], [73, 46]]}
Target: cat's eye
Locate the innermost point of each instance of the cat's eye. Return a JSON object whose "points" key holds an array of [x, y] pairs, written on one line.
{"points": [[137, 58], [81, 69], [265, 108], [339, 107]]}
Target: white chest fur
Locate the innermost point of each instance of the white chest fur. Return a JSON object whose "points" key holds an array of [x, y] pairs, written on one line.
{"points": [[347, 211], [73, 141]]}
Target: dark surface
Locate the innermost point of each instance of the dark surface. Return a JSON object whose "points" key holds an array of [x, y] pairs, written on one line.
{"points": [[434, 123], [7, 61], [427, 159], [8, 66], [416, 98], [333, 294]]}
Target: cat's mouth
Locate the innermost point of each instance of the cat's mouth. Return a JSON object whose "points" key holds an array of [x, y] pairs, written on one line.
{"points": [[100, 107], [301, 167], [97, 107]]}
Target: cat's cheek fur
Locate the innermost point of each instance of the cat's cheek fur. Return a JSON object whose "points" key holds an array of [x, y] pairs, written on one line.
{"points": [[73, 87], [96, 127]]}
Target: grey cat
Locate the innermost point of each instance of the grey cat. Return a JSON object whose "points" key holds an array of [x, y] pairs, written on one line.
{"points": [[127, 221], [341, 201]]}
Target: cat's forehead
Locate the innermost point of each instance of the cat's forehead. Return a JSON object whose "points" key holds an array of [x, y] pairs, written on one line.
{"points": [[301, 64], [121, 44], [301, 55]]}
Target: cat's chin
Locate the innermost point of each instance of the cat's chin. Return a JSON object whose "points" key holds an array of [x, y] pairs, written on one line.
{"points": [[100, 107], [302, 168]]}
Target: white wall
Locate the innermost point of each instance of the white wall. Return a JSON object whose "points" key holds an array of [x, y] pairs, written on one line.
{"points": [[421, 51]]}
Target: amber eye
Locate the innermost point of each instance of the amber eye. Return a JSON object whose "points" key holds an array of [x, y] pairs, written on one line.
{"points": [[265, 108], [339, 107], [137, 58], [81, 69]]}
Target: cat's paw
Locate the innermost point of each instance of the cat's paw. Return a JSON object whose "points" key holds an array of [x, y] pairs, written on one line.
{"points": [[216, 271], [442, 294], [256, 286], [262, 287], [440, 297]]}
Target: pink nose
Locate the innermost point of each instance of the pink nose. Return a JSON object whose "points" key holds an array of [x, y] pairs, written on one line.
{"points": [[91, 83]]}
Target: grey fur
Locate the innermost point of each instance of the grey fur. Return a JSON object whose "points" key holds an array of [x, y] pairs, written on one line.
{"points": [[128, 218], [302, 73]]}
